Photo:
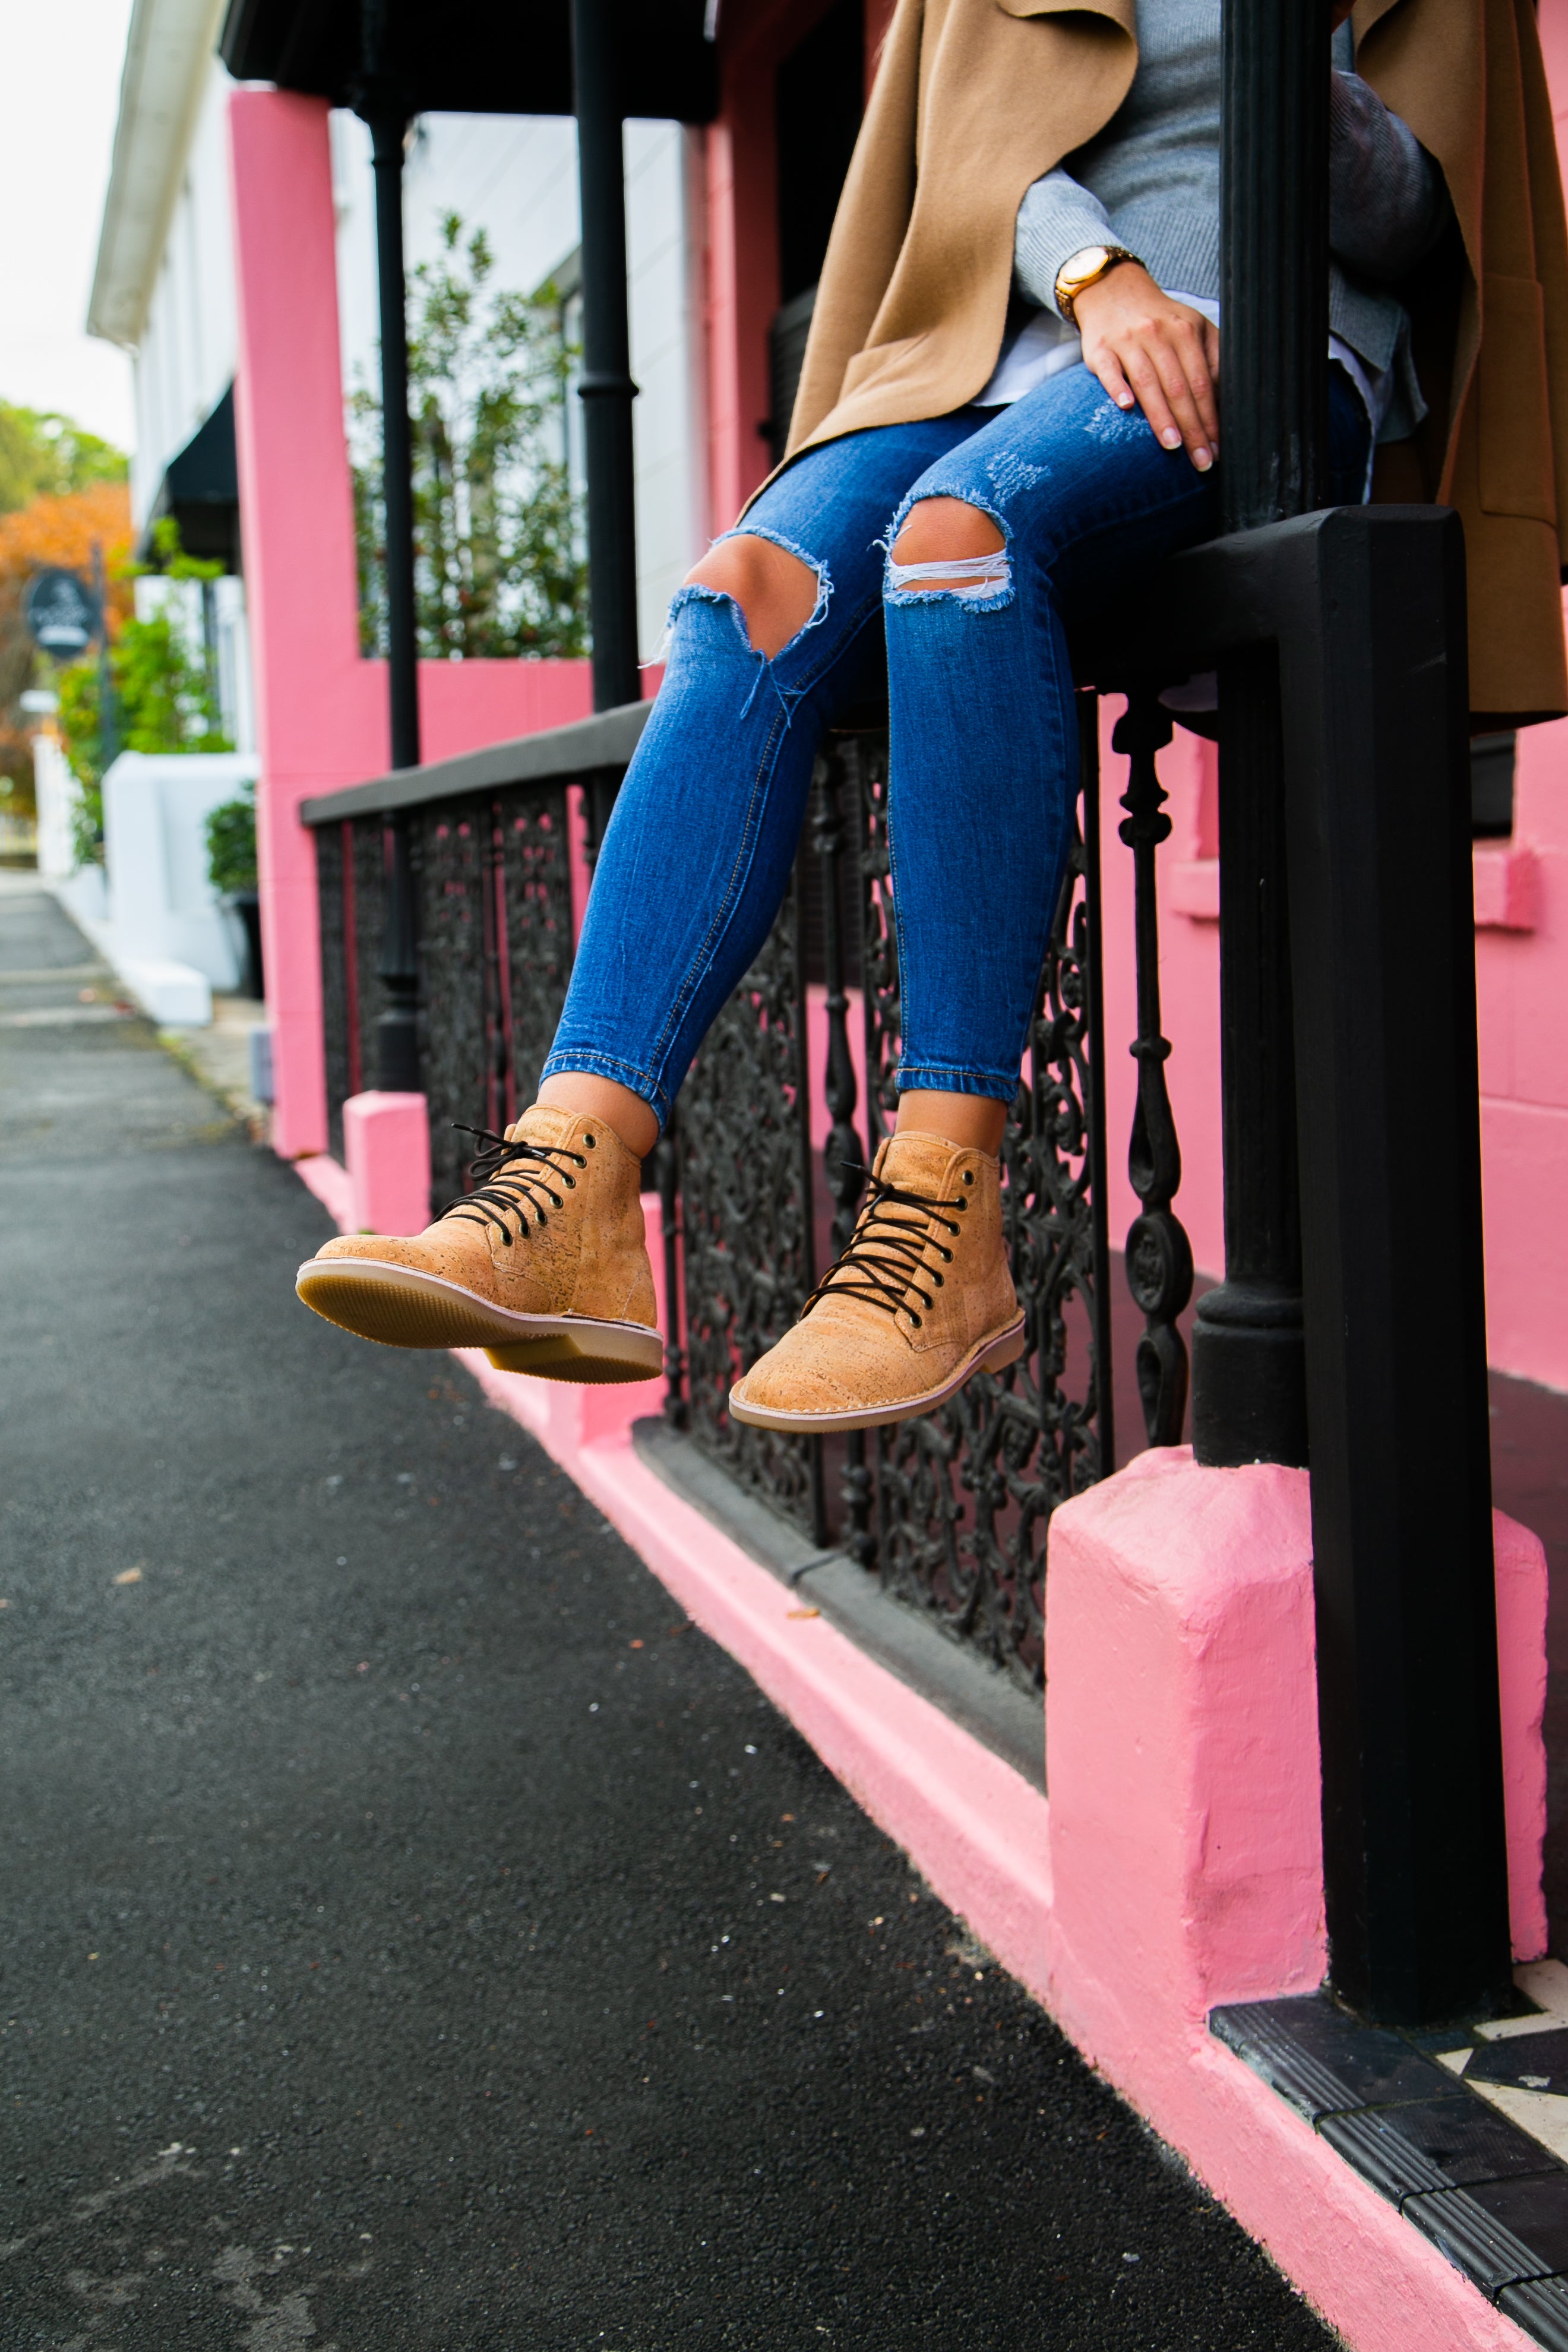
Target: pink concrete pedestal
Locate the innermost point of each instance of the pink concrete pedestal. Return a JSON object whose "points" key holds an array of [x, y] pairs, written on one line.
{"points": [[1186, 1857], [1182, 1738], [386, 1150]]}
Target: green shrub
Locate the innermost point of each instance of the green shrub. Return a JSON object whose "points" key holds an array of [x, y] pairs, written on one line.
{"points": [[231, 844], [161, 699]]}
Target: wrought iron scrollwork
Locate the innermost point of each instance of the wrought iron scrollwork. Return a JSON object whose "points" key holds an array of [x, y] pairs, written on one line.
{"points": [[496, 949], [334, 920], [449, 863], [533, 902], [1158, 1254], [666, 1180], [964, 1498], [749, 1245], [844, 1164]]}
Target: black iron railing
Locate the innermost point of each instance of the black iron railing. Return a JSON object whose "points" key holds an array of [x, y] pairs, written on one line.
{"points": [[786, 1105], [493, 888]]}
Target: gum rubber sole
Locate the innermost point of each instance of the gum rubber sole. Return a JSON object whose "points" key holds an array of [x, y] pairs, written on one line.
{"points": [[399, 1307], [992, 1355]]}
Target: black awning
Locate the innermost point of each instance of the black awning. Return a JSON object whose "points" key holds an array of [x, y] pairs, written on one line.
{"points": [[490, 56], [200, 490]]}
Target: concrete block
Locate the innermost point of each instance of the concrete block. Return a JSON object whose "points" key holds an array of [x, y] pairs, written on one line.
{"points": [[386, 1150], [175, 995], [1182, 1739], [1182, 1736]]}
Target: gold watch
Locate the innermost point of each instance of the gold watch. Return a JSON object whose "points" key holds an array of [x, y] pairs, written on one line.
{"points": [[1081, 270]]}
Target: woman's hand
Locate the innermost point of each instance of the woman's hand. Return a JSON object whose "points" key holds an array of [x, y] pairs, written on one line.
{"points": [[1155, 354]]}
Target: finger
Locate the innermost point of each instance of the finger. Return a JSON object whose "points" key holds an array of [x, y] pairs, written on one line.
{"points": [[1200, 383], [1108, 369], [1170, 362], [1211, 348], [1145, 380]]}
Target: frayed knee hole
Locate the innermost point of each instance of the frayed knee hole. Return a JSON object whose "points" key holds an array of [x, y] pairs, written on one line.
{"points": [[775, 591]]}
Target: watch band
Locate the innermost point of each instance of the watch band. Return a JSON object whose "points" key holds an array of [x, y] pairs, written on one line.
{"points": [[1084, 269]]}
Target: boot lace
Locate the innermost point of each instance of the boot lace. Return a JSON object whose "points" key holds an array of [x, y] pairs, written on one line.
{"points": [[884, 1256], [514, 1179]]}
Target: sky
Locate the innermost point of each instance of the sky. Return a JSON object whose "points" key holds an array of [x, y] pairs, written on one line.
{"points": [[59, 71]]}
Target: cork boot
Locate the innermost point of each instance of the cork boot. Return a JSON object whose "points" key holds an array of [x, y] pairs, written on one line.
{"points": [[544, 1264], [922, 1299]]}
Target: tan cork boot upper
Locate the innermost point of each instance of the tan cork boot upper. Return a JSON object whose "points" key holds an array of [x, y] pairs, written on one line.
{"points": [[850, 1349], [564, 1234]]}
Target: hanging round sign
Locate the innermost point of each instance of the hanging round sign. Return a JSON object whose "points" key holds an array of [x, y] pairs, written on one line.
{"points": [[62, 613]]}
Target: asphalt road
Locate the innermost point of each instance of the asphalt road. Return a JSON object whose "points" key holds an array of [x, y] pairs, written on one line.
{"points": [[414, 1934]]}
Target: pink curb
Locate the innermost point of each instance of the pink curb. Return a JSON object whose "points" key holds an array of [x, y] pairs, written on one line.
{"points": [[322, 1174], [1178, 1863]]}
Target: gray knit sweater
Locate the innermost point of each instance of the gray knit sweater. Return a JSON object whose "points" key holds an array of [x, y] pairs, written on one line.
{"points": [[1150, 181]]}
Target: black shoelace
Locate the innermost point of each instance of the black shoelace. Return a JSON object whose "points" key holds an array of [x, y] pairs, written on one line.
{"points": [[886, 1250], [513, 1179]]}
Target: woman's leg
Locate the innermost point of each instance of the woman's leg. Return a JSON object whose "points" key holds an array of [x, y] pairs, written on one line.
{"points": [[1055, 500], [1057, 503], [697, 856], [1048, 508]]}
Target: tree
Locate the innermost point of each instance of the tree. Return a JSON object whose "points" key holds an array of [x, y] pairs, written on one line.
{"points": [[498, 567], [59, 528], [45, 454]]}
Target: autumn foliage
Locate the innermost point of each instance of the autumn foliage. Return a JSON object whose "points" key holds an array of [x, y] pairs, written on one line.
{"points": [[55, 530]]}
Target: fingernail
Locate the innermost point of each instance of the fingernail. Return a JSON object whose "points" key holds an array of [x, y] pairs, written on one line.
{"points": [[1171, 438], [1202, 460]]}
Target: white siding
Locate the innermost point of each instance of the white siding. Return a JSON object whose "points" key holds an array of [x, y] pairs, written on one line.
{"points": [[186, 356]]}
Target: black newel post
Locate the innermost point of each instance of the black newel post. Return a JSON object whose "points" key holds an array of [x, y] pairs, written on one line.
{"points": [[606, 387], [1249, 1365], [382, 105], [1348, 1033]]}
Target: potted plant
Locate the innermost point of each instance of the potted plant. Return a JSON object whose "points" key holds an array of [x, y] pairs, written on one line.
{"points": [[231, 869]]}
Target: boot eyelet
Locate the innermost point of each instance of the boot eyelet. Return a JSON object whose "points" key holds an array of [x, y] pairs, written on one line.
{"points": [[969, 1175], [592, 1141], [915, 1319], [541, 1217], [961, 1204], [570, 1183], [940, 1281]]}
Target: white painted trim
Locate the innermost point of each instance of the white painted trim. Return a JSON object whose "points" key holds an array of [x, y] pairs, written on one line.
{"points": [[169, 53]]}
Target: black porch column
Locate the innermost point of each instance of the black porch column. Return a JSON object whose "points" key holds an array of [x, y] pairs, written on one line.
{"points": [[606, 386], [1349, 1045], [382, 106], [1248, 1369]]}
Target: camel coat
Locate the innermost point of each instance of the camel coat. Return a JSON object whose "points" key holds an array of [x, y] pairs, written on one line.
{"points": [[975, 99]]}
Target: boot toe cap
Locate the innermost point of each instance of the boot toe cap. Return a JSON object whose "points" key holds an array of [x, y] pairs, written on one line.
{"points": [[825, 1371]]}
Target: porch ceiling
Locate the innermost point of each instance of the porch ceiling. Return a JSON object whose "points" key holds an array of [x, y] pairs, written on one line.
{"points": [[494, 56]]}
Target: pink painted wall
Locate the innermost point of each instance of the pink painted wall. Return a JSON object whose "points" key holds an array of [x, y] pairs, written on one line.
{"points": [[320, 709]]}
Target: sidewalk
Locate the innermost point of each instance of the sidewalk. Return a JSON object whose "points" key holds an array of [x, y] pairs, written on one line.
{"points": [[417, 1935]]}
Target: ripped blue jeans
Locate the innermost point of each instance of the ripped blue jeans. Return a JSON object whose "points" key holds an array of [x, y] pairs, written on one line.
{"points": [[697, 857]]}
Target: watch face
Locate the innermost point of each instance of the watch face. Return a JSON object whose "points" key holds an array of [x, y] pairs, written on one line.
{"points": [[1086, 266]]}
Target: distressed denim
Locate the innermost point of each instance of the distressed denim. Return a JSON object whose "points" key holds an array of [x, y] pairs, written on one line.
{"points": [[696, 859]]}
